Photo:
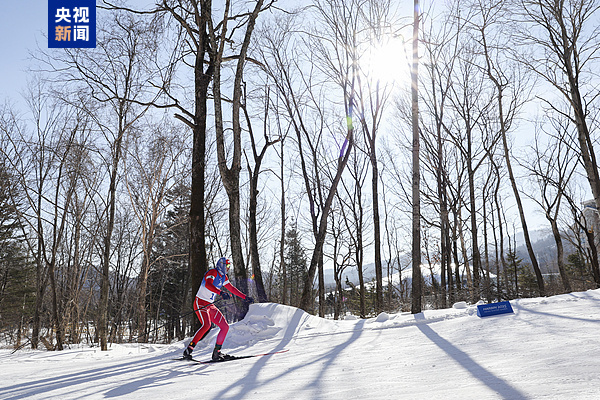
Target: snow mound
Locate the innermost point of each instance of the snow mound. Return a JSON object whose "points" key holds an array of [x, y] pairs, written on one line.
{"points": [[268, 323], [460, 305], [382, 317], [252, 329]]}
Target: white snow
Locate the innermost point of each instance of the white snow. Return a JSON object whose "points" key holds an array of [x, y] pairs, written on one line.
{"points": [[548, 349]]}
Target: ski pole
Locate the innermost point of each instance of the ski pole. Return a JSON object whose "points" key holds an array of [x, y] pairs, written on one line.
{"points": [[193, 311], [21, 346]]}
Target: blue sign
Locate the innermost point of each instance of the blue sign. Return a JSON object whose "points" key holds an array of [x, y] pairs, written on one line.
{"points": [[71, 23], [485, 310]]}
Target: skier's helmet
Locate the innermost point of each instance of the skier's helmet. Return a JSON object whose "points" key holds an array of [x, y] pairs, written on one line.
{"points": [[223, 265]]}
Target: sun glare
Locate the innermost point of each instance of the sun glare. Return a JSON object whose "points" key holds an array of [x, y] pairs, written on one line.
{"points": [[389, 62]]}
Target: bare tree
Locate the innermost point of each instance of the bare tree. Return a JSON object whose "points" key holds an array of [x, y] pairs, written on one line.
{"points": [[563, 39], [192, 50], [116, 76], [219, 35], [48, 166], [440, 45], [510, 92], [553, 167], [153, 168], [353, 214], [340, 257], [349, 30], [417, 290], [301, 102], [191, 18], [471, 102], [252, 208], [371, 99]]}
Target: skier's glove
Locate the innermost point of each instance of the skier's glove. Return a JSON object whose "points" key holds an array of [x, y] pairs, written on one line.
{"points": [[225, 295], [248, 300]]}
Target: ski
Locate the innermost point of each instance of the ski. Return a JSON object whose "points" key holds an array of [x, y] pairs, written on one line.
{"points": [[231, 358]]}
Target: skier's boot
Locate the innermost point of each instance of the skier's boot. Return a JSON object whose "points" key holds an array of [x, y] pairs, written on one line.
{"points": [[218, 356], [187, 353]]}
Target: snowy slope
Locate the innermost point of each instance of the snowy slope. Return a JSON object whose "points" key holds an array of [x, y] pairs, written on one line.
{"points": [[548, 349]]}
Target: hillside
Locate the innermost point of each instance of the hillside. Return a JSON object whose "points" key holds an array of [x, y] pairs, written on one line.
{"points": [[543, 245]]}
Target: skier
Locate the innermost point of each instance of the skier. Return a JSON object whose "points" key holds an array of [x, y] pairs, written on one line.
{"points": [[207, 312]]}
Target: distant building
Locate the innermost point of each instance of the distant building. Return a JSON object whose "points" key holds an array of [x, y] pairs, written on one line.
{"points": [[591, 219]]}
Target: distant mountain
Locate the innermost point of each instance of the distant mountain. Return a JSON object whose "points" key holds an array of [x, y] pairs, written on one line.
{"points": [[542, 242], [538, 235], [544, 248]]}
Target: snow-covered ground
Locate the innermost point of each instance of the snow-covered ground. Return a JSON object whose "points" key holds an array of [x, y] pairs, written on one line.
{"points": [[548, 349]]}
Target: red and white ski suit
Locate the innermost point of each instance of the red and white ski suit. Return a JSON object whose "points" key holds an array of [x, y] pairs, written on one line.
{"points": [[206, 311]]}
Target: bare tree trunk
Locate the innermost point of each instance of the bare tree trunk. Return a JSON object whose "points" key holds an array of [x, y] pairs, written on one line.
{"points": [[560, 257], [202, 79], [475, 282], [105, 282], [503, 130], [306, 301], [566, 24], [282, 238], [230, 176], [321, 288], [416, 306], [487, 290], [465, 255], [376, 229], [457, 277], [444, 230], [501, 263], [253, 175]]}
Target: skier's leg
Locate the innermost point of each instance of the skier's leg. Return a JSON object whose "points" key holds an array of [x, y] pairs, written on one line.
{"points": [[202, 311], [218, 318]]}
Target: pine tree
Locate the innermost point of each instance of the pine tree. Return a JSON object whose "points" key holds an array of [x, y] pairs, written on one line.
{"points": [[16, 273], [169, 276], [520, 277], [527, 281], [296, 262], [512, 273], [579, 270]]}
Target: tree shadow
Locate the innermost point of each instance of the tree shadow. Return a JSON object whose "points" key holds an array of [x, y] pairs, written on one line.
{"points": [[499, 385], [520, 307], [249, 383], [69, 383]]}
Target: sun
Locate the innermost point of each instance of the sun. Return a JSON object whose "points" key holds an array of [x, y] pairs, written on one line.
{"points": [[388, 62]]}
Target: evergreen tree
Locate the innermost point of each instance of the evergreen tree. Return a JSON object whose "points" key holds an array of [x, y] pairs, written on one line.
{"points": [[520, 277], [579, 270], [511, 274], [17, 290], [528, 286], [296, 262], [169, 276]]}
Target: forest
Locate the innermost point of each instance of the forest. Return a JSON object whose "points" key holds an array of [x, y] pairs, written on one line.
{"points": [[299, 139]]}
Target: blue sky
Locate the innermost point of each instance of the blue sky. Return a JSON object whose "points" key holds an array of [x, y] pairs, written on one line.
{"points": [[22, 24]]}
